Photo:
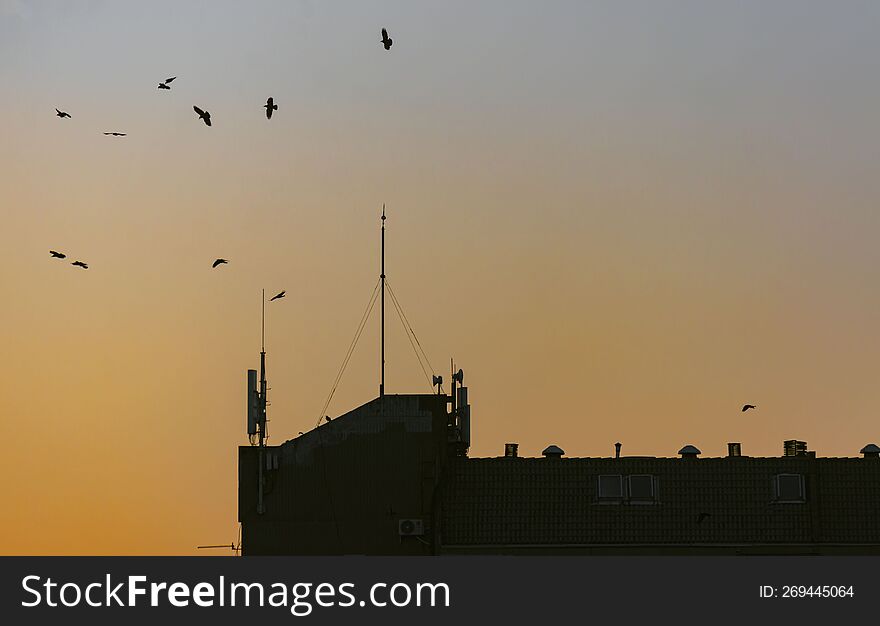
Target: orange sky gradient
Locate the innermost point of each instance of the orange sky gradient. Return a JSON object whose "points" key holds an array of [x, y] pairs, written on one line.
{"points": [[623, 222]]}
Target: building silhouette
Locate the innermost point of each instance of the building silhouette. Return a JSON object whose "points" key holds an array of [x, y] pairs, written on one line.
{"points": [[393, 477]]}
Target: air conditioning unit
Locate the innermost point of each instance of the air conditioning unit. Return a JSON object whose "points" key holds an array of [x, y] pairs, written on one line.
{"points": [[410, 527]]}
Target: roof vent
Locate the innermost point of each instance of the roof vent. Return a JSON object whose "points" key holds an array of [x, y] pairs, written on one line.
{"points": [[510, 450], [617, 447], [734, 449], [553, 452], [689, 452], [872, 450]]}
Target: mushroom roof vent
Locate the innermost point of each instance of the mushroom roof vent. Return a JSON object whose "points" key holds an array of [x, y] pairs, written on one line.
{"points": [[689, 451], [872, 449], [553, 452]]}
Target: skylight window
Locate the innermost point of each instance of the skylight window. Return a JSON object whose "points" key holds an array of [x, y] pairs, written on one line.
{"points": [[789, 488], [610, 486]]}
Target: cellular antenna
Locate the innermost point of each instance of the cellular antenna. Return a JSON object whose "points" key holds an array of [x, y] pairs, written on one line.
{"points": [[382, 279]]}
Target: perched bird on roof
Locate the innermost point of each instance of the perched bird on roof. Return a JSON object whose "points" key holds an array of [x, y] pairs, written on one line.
{"points": [[204, 115], [219, 262], [117, 134], [61, 113], [57, 255], [746, 407], [386, 40], [270, 106], [277, 296], [80, 264]]}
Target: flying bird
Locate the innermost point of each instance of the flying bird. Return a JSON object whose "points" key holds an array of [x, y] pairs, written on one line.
{"points": [[270, 106], [204, 115], [117, 134], [746, 407], [386, 40], [277, 296], [164, 84], [80, 264], [57, 255], [61, 113], [219, 262]]}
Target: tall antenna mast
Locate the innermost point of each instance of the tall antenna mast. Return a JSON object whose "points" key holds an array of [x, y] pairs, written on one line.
{"points": [[382, 277], [261, 416], [263, 385]]}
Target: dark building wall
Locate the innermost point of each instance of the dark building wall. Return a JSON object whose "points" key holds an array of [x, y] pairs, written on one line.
{"points": [[511, 505], [343, 487]]}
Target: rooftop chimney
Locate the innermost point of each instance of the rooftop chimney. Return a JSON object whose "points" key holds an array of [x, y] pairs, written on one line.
{"points": [[510, 450], [793, 447], [871, 451], [617, 450], [734, 449], [553, 452], [689, 452]]}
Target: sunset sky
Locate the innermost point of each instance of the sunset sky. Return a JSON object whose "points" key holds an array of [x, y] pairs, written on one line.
{"points": [[624, 220]]}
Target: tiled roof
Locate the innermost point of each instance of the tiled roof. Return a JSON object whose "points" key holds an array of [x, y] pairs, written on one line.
{"points": [[524, 501]]}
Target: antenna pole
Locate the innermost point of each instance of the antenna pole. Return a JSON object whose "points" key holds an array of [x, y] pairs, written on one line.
{"points": [[262, 411], [263, 385], [382, 277]]}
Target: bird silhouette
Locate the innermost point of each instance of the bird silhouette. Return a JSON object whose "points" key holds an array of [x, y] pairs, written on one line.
{"points": [[386, 40], [219, 262], [80, 264], [57, 255], [61, 113], [164, 84], [204, 115], [270, 106], [277, 296], [117, 134], [746, 407], [327, 417]]}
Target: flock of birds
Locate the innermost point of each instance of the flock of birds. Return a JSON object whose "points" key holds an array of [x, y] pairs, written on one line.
{"points": [[60, 255], [205, 116]]}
